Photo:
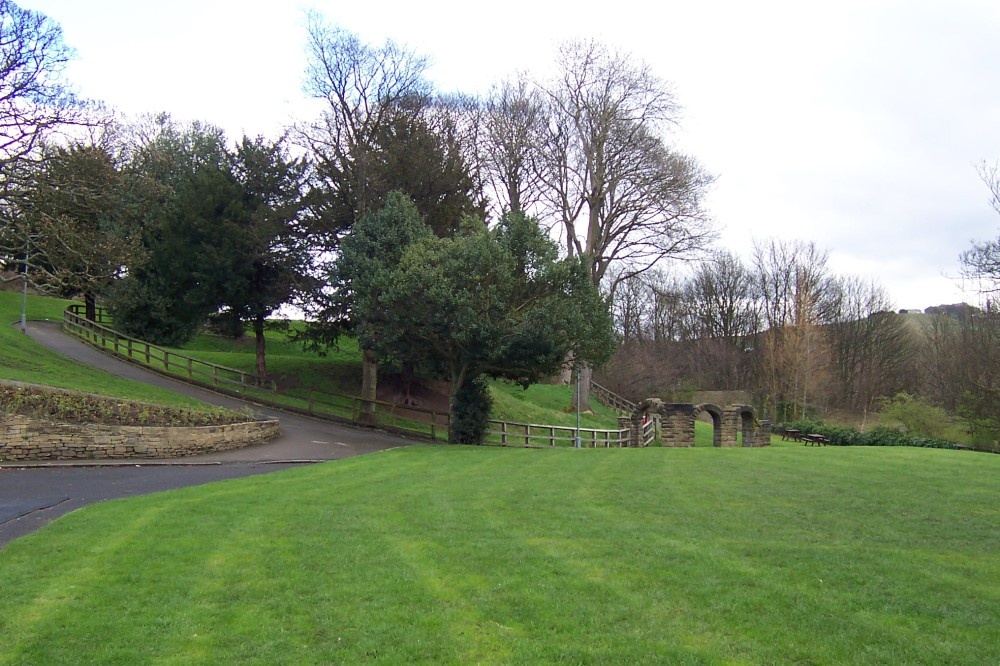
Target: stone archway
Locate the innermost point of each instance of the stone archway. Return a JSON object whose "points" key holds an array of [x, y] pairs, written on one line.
{"points": [[729, 424], [720, 431]]}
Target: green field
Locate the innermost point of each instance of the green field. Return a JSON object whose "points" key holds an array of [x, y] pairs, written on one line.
{"points": [[461, 555], [458, 555]]}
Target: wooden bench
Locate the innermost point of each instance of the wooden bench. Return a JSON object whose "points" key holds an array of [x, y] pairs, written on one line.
{"points": [[815, 439], [791, 434]]}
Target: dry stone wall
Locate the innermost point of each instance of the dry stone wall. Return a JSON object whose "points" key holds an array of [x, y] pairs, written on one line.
{"points": [[26, 439]]}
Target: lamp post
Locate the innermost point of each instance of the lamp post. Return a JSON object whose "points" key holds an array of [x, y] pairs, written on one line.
{"points": [[24, 290]]}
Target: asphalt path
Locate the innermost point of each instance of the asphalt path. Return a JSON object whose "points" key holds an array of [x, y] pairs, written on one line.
{"points": [[33, 494]]}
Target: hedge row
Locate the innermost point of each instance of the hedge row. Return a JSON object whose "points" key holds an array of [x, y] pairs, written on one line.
{"points": [[877, 436]]}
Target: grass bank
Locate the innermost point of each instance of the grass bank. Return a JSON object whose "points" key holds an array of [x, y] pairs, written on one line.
{"points": [[458, 555], [23, 359]]}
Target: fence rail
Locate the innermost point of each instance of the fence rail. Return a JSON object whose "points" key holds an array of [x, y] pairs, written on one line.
{"points": [[507, 433], [611, 400], [330, 406], [159, 358]]}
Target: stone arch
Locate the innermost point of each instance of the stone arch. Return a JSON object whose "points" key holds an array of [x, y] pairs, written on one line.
{"points": [[677, 423], [718, 422]]}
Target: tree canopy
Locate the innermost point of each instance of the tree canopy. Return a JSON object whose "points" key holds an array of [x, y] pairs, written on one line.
{"points": [[486, 302], [81, 221], [227, 237]]}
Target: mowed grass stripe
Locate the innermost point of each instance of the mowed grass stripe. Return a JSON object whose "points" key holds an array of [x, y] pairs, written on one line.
{"points": [[443, 554]]}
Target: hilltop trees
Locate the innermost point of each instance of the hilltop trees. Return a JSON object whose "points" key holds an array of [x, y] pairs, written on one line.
{"points": [[782, 326], [274, 265], [169, 294], [380, 130], [872, 348], [361, 275]]}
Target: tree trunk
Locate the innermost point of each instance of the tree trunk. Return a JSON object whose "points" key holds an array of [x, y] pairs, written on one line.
{"points": [[90, 306], [258, 331], [581, 388], [369, 385], [406, 378]]}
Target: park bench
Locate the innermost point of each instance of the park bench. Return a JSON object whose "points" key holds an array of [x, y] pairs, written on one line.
{"points": [[791, 434], [815, 439]]}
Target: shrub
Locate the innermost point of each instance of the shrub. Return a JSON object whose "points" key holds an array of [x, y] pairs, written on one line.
{"points": [[917, 416], [471, 414]]}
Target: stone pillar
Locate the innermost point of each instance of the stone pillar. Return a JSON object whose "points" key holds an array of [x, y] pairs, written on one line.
{"points": [[678, 424], [763, 437], [728, 428], [634, 432]]}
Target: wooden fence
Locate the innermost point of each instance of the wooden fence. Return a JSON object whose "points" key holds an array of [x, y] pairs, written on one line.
{"points": [[155, 357], [506, 433], [611, 400], [350, 409]]}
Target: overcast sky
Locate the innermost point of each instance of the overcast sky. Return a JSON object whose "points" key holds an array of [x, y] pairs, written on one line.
{"points": [[853, 124]]}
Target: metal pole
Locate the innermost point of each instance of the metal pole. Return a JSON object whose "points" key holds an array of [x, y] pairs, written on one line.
{"points": [[577, 369], [24, 294]]}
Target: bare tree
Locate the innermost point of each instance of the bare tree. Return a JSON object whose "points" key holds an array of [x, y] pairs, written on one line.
{"points": [[618, 192], [513, 118], [668, 321], [363, 89], [981, 262], [630, 310], [35, 99], [724, 320], [35, 102], [793, 283], [873, 349]]}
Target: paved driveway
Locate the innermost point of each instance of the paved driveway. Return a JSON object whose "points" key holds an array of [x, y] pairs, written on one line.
{"points": [[33, 494]]}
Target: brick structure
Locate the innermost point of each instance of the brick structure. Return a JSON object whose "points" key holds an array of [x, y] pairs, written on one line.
{"points": [[24, 439]]}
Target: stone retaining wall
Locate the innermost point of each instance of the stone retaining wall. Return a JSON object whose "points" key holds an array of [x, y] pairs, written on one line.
{"points": [[24, 439]]}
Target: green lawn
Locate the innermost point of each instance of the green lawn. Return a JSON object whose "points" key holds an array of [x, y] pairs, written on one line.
{"points": [[461, 555]]}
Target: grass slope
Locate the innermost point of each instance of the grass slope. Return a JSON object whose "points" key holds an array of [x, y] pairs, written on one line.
{"points": [[339, 371], [459, 555], [23, 359], [296, 370]]}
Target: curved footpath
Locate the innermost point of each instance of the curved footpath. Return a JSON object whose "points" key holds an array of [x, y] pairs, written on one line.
{"points": [[32, 494]]}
